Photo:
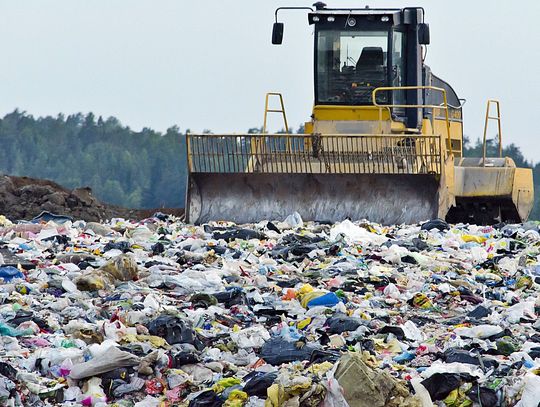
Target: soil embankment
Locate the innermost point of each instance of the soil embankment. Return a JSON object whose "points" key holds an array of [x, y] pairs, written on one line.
{"points": [[25, 198]]}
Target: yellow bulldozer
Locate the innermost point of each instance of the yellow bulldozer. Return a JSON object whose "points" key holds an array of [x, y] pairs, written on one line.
{"points": [[384, 142]]}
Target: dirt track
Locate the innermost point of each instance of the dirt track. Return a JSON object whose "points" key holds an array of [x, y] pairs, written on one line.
{"points": [[25, 198]]}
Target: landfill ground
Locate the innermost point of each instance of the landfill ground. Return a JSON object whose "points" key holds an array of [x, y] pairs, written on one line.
{"points": [[157, 312]]}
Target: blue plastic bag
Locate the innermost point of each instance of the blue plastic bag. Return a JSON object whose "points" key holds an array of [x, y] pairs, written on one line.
{"points": [[326, 300], [8, 273]]}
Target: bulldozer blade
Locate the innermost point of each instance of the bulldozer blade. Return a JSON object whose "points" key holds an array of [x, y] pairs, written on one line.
{"points": [[245, 198]]}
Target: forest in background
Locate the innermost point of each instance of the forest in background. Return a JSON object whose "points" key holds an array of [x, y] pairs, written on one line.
{"points": [[135, 169]]}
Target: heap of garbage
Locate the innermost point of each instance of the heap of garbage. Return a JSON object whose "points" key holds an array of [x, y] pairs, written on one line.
{"points": [[162, 313]]}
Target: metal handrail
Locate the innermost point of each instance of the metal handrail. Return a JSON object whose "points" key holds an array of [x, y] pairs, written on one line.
{"points": [[315, 153], [267, 110], [488, 117], [257, 146], [393, 88], [263, 135]]}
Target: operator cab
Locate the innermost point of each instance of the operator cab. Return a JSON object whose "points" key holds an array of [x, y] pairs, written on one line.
{"points": [[354, 54], [359, 50]]}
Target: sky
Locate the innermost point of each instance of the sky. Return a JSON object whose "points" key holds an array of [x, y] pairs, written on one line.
{"points": [[207, 64]]}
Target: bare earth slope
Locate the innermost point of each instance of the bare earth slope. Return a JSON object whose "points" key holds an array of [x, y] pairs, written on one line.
{"points": [[25, 198]]}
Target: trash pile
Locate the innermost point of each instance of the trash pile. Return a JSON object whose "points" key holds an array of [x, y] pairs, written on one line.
{"points": [[162, 313]]}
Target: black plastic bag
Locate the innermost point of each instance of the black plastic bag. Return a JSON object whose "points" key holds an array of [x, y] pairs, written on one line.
{"points": [[8, 371], [395, 330], [173, 330], [233, 234], [488, 397], [233, 296], [440, 385], [184, 358], [277, 351], [123, 246], [206, 399], [258, 383], [320, 356], [452, 355], [438, 224], [342, 323], [479, 312]]}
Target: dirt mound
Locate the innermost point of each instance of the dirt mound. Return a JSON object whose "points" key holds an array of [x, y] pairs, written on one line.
{"points": [[25, 198]]}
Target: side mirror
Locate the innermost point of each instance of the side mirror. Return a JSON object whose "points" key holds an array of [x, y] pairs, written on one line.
{"points": [[277, 33], [423, 34]]}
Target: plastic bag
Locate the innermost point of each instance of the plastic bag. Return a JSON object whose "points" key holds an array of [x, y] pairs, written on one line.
{"points": [[479, 331], [8, 273], [119, 269], [531, 391], [421, 392], [340, 323], [520, 310], [355, 233], [6, 330], [294, 220], [206, 399], [111, 360], [334, 392], [258, 382], [173, 329], [438, 224], [277, 351]]}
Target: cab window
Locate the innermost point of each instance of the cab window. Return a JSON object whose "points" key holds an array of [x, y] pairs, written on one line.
{"points": [[350, 64]]}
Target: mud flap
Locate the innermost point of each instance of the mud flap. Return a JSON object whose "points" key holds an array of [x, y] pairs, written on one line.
{"points": [[243, 198]]}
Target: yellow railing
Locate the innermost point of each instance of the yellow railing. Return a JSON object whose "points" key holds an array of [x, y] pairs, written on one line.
{"points": [[444, 106], [256, 147], [268, 110], [315, 154], [488, 117]]}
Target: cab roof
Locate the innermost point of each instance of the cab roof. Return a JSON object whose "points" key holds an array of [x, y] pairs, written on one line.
{"points": [[395, 15]]}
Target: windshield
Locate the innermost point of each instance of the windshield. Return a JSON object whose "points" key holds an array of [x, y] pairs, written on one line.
{"points": [[350, 64]]}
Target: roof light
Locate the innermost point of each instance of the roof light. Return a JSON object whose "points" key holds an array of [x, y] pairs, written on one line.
{"points": [[331, 19], [315, 18], [385, 18]]}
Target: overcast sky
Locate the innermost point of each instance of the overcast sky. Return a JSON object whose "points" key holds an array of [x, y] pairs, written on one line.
{"points": [[206, 64]]}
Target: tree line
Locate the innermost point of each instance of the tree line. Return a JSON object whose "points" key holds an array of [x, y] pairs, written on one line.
{"points": [[135, 169]]}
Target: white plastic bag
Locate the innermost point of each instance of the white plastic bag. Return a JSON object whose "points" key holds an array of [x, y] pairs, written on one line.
{"points": [[531, 392], [392, 291], [355, 233], [421, 392], [479, 331], [294, 220], [412, 332], [334, 392], [520, 310]]}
